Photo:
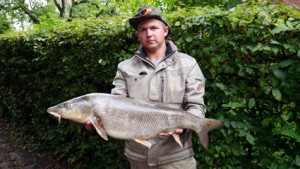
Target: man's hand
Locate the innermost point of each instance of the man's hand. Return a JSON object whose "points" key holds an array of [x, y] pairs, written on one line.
{"points": [[89, 126], [177, 131]]}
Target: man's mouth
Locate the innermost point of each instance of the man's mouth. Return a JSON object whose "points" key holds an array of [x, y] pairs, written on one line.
{"points": [[150, 40]]}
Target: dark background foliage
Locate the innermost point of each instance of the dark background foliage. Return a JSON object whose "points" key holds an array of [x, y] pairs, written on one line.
{"points": [[249, 55]]}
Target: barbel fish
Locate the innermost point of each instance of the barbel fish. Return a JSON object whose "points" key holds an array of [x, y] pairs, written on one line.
{"points": [[132, 119]]}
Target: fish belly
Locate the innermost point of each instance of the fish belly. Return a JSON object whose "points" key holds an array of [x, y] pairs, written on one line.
{"points": [[131, 120]]}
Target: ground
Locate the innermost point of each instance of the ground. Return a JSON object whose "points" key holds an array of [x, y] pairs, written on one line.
{"points": [[16, 154]]}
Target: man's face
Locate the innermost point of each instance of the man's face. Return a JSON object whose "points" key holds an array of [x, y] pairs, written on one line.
{"points": [[152, 33]]}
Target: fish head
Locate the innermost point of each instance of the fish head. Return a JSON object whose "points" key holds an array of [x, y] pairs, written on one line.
{"points": [[77, 109]]}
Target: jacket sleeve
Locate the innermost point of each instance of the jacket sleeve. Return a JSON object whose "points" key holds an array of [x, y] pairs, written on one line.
{"points": [[194, 92], [120, 85]]}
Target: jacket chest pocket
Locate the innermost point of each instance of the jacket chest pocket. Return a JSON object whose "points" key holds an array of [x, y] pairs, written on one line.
{"points": [[174, 87], [137, 83]]}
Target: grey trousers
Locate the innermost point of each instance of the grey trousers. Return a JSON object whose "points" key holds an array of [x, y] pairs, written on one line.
{"points": [[189, 163]]}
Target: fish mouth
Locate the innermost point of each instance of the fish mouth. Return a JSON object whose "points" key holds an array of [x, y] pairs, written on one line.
{"points": [[56, 115]]}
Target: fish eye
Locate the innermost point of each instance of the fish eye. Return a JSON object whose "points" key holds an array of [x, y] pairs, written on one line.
{"points": [[69, 106]]}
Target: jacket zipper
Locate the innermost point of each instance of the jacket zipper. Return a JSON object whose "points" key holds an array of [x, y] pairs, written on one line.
{"points": [[162, 89], [149, 62]]}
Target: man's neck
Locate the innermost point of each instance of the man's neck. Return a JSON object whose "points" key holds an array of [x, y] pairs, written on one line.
{"points": [[155, 55]]}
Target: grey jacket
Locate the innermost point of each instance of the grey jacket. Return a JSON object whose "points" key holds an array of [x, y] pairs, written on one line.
{"points": [[177, 82]]}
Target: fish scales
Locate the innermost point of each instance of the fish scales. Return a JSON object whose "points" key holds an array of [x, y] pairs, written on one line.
{"points": [[132, 119], [140, 120]]}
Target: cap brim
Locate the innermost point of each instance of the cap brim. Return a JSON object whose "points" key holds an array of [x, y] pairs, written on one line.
{"points": [[134, 22]]}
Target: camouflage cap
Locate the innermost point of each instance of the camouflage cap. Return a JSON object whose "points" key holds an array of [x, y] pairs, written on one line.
{"points": [[147, 12]]}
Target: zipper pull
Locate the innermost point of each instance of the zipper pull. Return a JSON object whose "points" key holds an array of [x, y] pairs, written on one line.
{"points": [[162, 83]]}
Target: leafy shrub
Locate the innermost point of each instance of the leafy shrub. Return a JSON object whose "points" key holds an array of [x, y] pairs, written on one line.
{"points": [[249, 56]]}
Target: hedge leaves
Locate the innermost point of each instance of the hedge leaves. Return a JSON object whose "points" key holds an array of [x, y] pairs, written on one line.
{"points": [[249, 56]]}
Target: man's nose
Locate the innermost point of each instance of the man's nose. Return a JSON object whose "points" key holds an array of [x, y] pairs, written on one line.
{"points": [[149, 32]]}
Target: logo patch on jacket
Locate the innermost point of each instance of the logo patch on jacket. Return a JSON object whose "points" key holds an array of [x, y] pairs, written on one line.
{"points": [[199, 87]]}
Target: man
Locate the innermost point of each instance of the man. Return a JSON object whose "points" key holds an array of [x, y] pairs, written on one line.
{"points": [[159, 72]]}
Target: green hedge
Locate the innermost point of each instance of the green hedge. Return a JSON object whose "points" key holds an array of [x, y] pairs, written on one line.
{"points": [[249, 55]]}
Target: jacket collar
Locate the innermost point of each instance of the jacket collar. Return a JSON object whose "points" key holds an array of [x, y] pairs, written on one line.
{"points": [[171, 48]]}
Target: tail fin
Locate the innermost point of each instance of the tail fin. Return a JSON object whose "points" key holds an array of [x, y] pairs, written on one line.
{"points": [[208, 125]]}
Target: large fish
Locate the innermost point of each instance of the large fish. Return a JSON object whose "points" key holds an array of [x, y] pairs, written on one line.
{"points": [[132, 119]]}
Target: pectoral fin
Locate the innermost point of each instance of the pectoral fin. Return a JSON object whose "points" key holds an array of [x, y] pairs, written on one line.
{"points": [[98, 128], [177, 138], [144, 142]]}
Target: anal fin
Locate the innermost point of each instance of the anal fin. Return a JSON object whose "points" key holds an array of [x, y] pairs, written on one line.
{"points": [[144, 142], [177, 138]]}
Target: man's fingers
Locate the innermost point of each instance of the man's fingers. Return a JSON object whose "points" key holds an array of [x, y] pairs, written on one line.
{"points": [[178, 131], [164, 134], [89, 126], [99, 122]]}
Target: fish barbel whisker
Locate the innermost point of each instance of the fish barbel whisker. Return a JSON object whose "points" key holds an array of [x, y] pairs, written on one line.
{"points": [[56, 115]]}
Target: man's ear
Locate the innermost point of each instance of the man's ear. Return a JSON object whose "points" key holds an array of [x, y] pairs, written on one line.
{"points": [[166, 31]]}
